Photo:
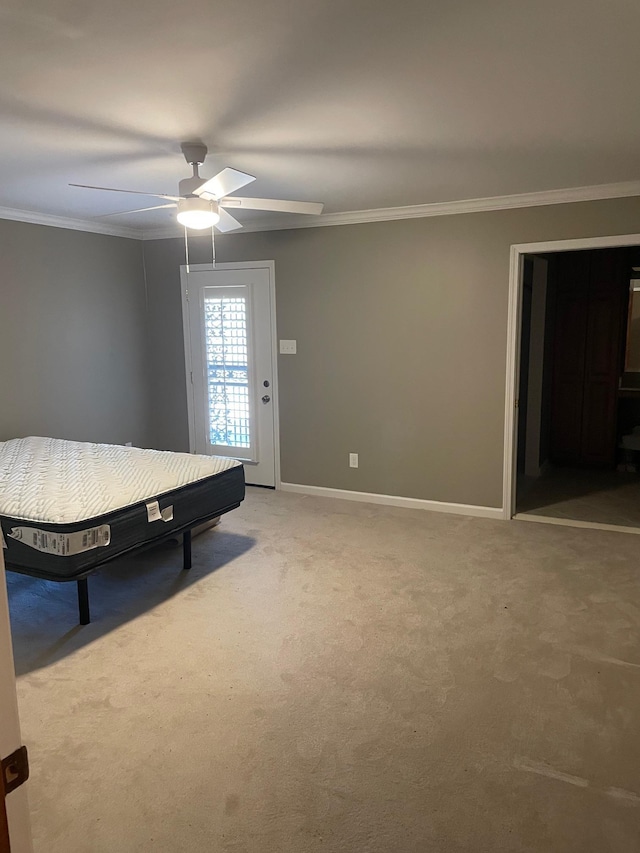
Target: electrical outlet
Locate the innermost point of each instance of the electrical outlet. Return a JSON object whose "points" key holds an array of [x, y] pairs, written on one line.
{"points": [[128, 444], [288, 347], [353, 460]]}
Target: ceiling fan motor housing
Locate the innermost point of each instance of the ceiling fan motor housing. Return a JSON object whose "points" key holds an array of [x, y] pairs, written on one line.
{"points": [[188, 186]]}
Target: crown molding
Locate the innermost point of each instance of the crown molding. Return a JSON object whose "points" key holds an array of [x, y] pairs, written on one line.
{"points": [[418, 211], [89, 225], [600, 192]]}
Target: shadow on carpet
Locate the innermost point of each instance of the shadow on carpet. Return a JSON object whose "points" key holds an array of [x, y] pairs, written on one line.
{"points": [[44, 614]]}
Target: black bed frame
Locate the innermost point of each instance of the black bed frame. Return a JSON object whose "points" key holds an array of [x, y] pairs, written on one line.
{"points": [[83, 578], [83, 583]]}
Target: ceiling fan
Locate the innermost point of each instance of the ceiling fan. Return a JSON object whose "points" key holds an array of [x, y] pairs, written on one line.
{"points": [[202, 202]]}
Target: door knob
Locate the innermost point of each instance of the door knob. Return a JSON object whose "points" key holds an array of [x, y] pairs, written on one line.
{"points": [[266, 398]]}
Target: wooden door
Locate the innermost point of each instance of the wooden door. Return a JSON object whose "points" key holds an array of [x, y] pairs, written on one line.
{"points": [[14, 810], [571, 273], [587, 355], [607, 283], [4, 822]]}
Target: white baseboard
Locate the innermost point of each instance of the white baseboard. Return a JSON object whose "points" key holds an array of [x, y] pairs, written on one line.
{"points": [[395, 500]]}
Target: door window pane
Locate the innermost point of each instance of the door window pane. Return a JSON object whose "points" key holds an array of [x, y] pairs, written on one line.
{"points": [[225, 319]]}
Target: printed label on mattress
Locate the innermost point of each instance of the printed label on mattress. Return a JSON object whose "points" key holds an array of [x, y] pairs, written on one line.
{"points": [[63, 544], [153, 511]]}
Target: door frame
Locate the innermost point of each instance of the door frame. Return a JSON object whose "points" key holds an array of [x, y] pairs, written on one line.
{"points": [[514, 329], [270, 267]]}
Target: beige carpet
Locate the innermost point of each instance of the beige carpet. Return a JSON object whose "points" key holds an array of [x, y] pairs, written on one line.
{"points": [[334, 676]]}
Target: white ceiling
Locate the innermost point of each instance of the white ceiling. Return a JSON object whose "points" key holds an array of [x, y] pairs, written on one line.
{"points": [[357, 103]]}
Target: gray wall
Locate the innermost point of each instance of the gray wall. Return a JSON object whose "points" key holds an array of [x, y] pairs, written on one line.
{"points": [[73, 348], [401, 330]]}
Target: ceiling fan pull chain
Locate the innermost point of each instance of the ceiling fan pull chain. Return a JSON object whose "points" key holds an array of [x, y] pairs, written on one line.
{"points": [[186, 248], [213, 249]]}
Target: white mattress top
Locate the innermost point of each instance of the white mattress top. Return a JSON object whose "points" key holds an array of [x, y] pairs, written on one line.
{"points": [[61, 482]]}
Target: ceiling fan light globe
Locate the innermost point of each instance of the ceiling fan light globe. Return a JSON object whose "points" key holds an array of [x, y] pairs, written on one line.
{"points": [[197, 219], [197, 213]]}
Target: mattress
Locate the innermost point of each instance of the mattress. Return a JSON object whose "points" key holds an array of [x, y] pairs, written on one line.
{"points": [[68, 506]]}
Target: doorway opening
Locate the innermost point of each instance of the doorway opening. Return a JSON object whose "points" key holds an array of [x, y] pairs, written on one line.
{"points": [[574, 417]]}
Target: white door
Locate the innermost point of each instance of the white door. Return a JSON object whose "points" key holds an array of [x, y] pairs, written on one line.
{"points": [[229, 316], [16, 803]]}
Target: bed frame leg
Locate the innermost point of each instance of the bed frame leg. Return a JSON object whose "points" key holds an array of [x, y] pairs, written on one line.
{"points": [[186, 549], [83, 601]]}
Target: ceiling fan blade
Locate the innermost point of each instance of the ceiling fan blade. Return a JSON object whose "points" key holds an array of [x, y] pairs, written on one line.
{"points": [[225, 182], [134, 192], [138, 210], [227, 222], [275, 204]]}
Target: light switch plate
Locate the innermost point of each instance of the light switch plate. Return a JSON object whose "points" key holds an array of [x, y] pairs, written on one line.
{"points": [[288, 347]]}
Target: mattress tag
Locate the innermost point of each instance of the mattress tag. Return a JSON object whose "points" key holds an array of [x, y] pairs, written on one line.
{"points": [[167, 513], [63, 544], [153, 511]]}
